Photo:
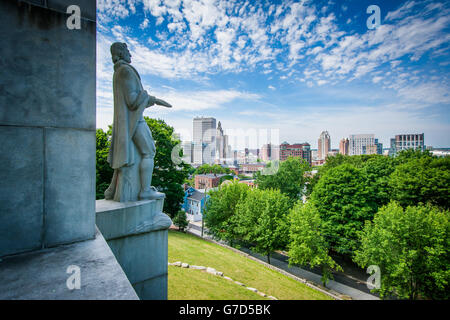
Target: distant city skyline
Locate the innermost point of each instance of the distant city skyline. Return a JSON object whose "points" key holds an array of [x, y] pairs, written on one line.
{"points": [[302, 67]]}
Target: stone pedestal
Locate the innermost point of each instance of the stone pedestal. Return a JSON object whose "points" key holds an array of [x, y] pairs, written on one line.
{"points": [[137, 235], [42, 274]]}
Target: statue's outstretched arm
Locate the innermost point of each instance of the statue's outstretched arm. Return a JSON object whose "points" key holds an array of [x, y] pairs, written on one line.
{"points": [[153, 100]]}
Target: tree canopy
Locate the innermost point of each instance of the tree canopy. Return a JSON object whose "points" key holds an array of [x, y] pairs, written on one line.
{"points": [[341, 197], [220, 209], [290, 178], [410, 246], [262, 220], [421, 180], [307, 244], [168, 177]]}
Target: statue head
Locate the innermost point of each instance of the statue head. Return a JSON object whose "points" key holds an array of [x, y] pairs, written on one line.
{"points": [[119, 51]]}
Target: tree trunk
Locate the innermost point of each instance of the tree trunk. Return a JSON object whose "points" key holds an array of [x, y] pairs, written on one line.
{"points": [[268, 258]]}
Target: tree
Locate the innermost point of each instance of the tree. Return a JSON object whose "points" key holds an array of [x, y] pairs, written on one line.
{"points": [[307, 244], [377, 171], [103, 170], [262, 220], [180, 220], [207, 168], [220, 210], [168, 177], [410, 246], [421, 180], [289, 179], [341, 198]]}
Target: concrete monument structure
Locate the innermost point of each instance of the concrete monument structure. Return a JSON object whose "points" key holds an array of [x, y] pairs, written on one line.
{"points": [[47, 152], [131, 217]]}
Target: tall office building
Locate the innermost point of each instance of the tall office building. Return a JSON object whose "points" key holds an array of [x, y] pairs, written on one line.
{"points": [[358, 143], [188, 151], [408, 141], [204, 134], [222, 147], [324, 145], [343, 146]]}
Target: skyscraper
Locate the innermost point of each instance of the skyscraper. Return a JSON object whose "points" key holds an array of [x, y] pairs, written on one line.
{"points": [[343, 146], [204, 134], [222, 147], [324, 145], [408, 141], [359, 142]]}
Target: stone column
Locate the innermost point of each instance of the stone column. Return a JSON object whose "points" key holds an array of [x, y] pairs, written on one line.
{"points": [[47, 125]]}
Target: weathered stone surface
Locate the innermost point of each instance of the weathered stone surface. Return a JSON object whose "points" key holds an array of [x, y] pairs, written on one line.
{"points": [[140, 250], [152, 289], [41, 105], [211, 270], [142, 256], [62, 95], [43, 274], [69, 185], [119, 219], [21, 189], [198, 267], [262, 294], [87, 7]]}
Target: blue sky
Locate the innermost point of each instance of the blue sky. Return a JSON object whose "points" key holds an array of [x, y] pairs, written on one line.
{"points": [[297, 66]]}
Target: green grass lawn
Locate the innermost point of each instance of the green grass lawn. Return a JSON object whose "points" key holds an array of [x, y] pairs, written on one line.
{"points": [[198, 285]]}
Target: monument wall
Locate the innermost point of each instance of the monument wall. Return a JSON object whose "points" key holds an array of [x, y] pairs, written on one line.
{"points": [[47, 124]]}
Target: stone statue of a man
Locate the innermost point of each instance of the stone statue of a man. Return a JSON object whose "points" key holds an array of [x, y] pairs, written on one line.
{"points": [[132, 144]]}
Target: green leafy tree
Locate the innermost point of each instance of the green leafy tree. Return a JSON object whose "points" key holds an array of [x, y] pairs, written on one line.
{"points": [[341, 197], [337, 160], [220, 210], [168, 177], [103, 170], [207, 168], [180, 220], [307, 244], [262, 220], [410, 246], [421, 180], [377, 171], [289, 179], [411, 154]]}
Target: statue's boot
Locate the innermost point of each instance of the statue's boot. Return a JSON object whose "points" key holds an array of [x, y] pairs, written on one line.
{"points": [[147, 191], [151, 194], [109, 193]]}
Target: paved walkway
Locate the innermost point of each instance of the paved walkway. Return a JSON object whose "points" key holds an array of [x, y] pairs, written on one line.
{"points": [[279, 262]]}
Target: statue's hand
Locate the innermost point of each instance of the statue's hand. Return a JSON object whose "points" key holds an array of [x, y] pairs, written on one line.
{"points": [[163, 103]]}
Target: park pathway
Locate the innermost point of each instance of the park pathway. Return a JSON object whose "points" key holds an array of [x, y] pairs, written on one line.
{"points": [[280, 261]]}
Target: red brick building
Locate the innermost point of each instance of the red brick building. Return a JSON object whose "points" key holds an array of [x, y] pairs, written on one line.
{"points": [[298, 150], [203, 181]]}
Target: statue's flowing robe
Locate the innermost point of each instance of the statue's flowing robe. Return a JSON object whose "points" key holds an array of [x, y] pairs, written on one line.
{"points": [[130, 101]]}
